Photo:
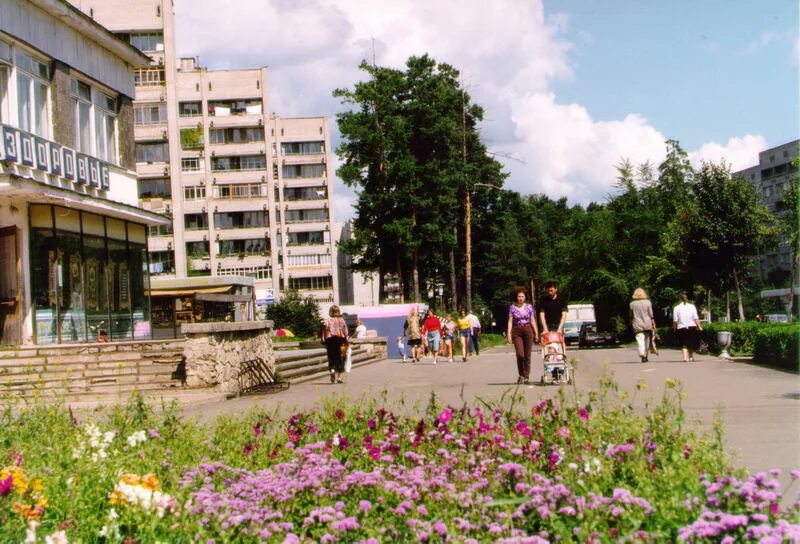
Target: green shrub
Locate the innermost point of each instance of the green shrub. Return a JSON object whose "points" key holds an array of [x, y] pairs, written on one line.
{"points": [[778, 345], [299, 315]]}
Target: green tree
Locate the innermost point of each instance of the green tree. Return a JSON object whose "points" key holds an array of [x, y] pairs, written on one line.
{"points": [[720, 227], [298, 314], [790, 224]]}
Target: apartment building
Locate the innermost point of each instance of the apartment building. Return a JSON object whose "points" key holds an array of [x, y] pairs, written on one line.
{"points": [[248, 190], [770, 176], [73, 240]]}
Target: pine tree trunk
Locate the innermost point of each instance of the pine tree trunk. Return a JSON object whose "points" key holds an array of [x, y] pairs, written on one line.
{"points": [[709, 305], [728, 306], [738, 294], [415, 276], [453, 286]]}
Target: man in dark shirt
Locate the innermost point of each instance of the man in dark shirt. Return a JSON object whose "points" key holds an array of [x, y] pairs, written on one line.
{"points": [[552, 309]]}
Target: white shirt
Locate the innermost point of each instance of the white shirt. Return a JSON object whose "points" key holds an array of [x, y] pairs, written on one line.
{"points": [[361, 331], [684, 315], [474, 321]]}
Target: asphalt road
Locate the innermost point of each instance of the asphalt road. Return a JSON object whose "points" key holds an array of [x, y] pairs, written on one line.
{"points": [[759, 407]]}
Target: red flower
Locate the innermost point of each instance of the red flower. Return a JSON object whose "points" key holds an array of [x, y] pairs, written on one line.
{"points": [[6, 486]]}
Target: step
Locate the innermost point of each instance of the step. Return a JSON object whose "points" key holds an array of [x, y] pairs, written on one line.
{"points": [[98, 392], [81, 381], [309, 376], [294, 372]]}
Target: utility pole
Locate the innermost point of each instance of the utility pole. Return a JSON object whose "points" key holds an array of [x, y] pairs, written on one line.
{"points": [[467, 206]]}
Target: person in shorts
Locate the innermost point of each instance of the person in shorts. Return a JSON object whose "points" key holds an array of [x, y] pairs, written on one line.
{"points": [[432, 329], [413, 331]]}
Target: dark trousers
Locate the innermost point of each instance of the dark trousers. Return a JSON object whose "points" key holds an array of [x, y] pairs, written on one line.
{"points": [[334, 346], [522, 338], [473, 341]]}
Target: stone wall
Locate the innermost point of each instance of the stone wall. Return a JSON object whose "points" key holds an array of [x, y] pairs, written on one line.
{"points": [[230, 357], [374, 346]]}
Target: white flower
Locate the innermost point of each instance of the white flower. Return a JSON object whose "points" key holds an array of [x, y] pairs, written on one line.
{"points": [[59, 537], [30, 532], [136, 438]]}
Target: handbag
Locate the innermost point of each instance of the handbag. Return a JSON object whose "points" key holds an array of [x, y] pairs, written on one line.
{"points": [[653, 347], [348, 359]]}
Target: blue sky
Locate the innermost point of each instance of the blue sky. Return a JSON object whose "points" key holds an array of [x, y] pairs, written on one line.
{"points": [[699, 71], [570, 87]]}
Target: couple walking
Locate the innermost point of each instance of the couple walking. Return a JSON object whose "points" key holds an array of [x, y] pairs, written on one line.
{"points": [[685, 323]]}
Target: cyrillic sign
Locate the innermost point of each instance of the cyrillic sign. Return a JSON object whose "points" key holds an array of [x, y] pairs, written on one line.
{"points": [[29, 150]]}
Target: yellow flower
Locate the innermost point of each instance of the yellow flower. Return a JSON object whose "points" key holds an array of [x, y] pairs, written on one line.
{"points": [[150, 482], [641, 385], [671, 382], [36, 485]]}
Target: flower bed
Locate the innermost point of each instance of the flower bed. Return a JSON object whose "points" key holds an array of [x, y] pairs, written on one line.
{"points": [[586, 470]]}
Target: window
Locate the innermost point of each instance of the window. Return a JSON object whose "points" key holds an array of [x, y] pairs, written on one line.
{"points": [[32, 88], [155, 188], [302, 148], [161, 230], [150, 114], [94, 120], [240, 190], [307, 260], [317, 283], [241, 220], [197, 249], [254, 246], [305, 193], [195, 221], [305, 238], [162, 262], [244, 162], [196, 192], [236, 135], [305, 216], [152, 152], [189, 109], [192, 138], [303, 170], [148, 41], [257, 272], [222, 108], [191, 165], [148, 77]]}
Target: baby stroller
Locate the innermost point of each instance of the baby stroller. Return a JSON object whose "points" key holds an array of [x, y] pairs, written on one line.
{"points": [[556, 368]]}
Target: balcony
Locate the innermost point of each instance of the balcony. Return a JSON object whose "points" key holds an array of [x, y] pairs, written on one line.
{"points": [[160, 243], [148, 133], [245, 148], [152, 169]]}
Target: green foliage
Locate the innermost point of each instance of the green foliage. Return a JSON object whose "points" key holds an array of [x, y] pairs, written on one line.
{"points": [[298, 314], [191, 138], [778, 345]]}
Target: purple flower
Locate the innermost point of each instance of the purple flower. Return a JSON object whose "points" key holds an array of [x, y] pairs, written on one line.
{"points": [[439, 527], [6, 486], [364, 505], [153, 433], [445, 416], [564, 433], [583, 414]]}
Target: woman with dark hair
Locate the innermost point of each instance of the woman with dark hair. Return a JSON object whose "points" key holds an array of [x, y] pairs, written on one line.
{"points": [[687, 327], [432, 330], [334, 336], [522, 332]]}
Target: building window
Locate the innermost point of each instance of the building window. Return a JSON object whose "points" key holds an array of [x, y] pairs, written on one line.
{"points": [[305, 193], [244, 162], [162, 262], [240, 190], [148, 41], [241, 220], [152, 152], [94, 120], [5, 71], [302, 148], [254, 246], [305, 238], [305, 216], [195, 221], [192, 164], [303, 171], [257, 272], [150, 114], [33, 76], [189, 109], [300, 261], [148, 77], [161, 230], [317, 283], [155, 188], [236, 135], [192, 138], [222, 108], [195, 192], [197, 249]]}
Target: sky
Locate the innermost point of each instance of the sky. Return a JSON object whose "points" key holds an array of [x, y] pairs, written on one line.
{"points": [[569, 87]]}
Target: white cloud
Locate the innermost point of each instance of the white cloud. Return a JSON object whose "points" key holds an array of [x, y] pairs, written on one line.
{"points": [[511, 56], [763, 40], [739, 153]]}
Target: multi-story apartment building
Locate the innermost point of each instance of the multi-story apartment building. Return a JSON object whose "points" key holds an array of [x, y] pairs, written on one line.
{"points": [[248, 191], [770, 176], [73, 241]]}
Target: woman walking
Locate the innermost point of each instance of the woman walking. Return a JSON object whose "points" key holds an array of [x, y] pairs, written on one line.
{"points": [[432, 329], [642, 322], [448, 331], [464, 332], [414, 334], [334, 336], [687, 327], [522, 332]]}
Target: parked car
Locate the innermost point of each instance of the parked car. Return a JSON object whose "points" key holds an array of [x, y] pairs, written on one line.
{"points": [[572, 332], [777, 318], [590, 336]]}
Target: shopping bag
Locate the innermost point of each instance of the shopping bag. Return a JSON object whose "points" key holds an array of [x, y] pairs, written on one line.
{"points": [[348, 359]]}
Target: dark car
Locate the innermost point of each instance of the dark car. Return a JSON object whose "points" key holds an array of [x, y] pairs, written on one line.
{"points": [[590, 336]]}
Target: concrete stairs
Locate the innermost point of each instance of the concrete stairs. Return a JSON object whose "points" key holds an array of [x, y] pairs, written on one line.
{"points": [[302, 365], [91, 372]]}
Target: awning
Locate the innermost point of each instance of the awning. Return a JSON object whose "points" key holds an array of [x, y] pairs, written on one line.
{"points": [[213, 297], [191, 291]]}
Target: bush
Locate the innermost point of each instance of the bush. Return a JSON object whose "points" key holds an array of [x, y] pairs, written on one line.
{"points": [[778, 345], [299, 315]]}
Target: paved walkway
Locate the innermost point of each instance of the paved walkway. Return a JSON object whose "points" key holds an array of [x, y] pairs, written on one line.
{"points": [[760, 407]]}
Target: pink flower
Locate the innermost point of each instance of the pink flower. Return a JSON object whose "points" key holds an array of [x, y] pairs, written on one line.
{"points": [[564, 433], [583, 414], [6, 486], [445, 416], [153, 433], [364, 505]]}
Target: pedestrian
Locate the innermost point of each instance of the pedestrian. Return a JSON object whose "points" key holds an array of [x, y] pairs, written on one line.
{"points": [[686, 324], [401, 347], [334, 336], [552, 310], [474, 331], [522, 332], [414, 334], [448, 332], [464, 332], [361, 329], [432, 330], [642, 322]]}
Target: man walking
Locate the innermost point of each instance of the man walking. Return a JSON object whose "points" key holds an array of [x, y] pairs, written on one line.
{"points": [[552, 309], [475, 329]]}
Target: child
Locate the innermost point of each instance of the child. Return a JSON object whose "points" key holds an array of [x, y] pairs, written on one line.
{"points": [[401, 347]]}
